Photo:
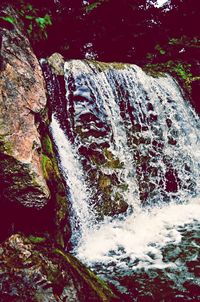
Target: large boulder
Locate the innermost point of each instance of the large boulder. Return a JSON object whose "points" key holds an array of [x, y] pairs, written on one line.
{"points": [[22, 98], [31, 270]]}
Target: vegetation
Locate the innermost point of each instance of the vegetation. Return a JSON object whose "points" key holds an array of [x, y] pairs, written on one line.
{"points": [[36, 240], [122, 31]]}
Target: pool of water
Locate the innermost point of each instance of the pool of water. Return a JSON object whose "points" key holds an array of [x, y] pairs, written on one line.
{"points": [[153, 255]]}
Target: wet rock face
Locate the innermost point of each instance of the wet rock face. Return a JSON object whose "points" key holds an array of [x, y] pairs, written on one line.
{"points": [[22, 97], [85, 121], [31, 270], [126, 128]]}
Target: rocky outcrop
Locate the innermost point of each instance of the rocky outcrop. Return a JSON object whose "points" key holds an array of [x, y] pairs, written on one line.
{"points": [[30, 179], [31, 270], [22, 97], [56, 61]]}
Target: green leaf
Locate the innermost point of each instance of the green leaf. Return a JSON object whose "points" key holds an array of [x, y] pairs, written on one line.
{"points": [[162, 52], [89, 8], [34, 239], [28, 17], [43, 22], [30, 28], [8, 19]]}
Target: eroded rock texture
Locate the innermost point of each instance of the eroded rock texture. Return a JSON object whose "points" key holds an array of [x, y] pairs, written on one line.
{"points": [[22, 97], [31, 270]]}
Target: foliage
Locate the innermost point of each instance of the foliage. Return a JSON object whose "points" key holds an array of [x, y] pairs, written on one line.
{"points": [[36, 240], [160, 49], [36, 21], [181, 71], [8, 19], [90, 7], [184, 40], [122, 31]]}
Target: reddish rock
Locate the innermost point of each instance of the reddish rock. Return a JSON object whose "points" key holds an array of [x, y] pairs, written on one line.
{"points": [[22, 98]]}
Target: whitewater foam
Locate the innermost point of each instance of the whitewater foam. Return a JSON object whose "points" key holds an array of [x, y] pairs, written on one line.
{"points": [[137, 241]]}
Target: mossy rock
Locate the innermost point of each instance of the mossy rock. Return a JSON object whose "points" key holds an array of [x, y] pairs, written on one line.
{"points": [[5, 145], [112, 207], [36, 240], [59, 202], [104, 181], [102, 66], [112, 162], [47, 168], [47, 146], [51, 274]]}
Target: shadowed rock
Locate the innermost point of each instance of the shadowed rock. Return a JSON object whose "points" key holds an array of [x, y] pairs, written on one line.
{"points": [[32, 270]]}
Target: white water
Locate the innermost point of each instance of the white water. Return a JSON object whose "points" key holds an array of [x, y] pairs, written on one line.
{"points": [[101, 86], [78, 194], [136, 240]]}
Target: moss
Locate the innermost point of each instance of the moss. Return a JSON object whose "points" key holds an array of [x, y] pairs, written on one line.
{"points": [[47, 146], [61, 229], [124, 187], [154, 70], [112, 162], [104, 181], [103, 292], [178, 69], [34, 239], [111, 207], [102, 66], [51, 174], [47, 167], [5, 146]]}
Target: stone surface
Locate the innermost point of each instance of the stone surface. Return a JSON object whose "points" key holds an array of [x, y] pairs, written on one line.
{"points": [[22, 98], [56, 61], [32, 270]]}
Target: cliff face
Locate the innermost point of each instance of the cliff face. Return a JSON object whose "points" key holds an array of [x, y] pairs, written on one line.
{"points": [[31, 187], [22, 97]]}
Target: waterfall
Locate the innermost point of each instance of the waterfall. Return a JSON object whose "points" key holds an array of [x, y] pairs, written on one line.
{"points": [[129, 150], [146, 122], [73, 174]]}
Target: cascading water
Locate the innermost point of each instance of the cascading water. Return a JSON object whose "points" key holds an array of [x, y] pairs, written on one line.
{"points": [[73, 174], [136, 145]]}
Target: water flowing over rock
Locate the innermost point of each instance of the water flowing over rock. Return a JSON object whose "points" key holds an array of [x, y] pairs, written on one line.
{"points": [[22, 98], [136, 142], [132, 134]]}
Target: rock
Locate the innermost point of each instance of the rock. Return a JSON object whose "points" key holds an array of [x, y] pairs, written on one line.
{"points": [[60, 225], [31, 270], [56, 61], [22, 98]]}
